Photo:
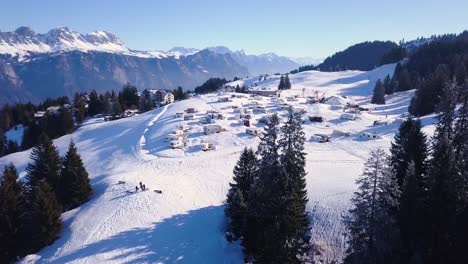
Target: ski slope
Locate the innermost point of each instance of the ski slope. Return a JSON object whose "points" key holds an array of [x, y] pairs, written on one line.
{"points": [[185, 223]]}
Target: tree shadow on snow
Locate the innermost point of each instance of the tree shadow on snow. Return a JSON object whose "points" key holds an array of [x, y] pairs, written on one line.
{"points": [[195, 237]]}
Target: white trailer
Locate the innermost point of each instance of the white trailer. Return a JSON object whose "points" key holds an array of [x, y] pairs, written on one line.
{"points": [[180, 115], [348, 116], [212, 129]]}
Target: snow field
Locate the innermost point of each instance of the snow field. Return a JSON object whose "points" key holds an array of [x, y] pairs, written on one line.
{"points": [[185, 223]]}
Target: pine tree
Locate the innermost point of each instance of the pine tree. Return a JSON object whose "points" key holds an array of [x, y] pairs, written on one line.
{"points": [[371, 224], [67, 124], [446, 110], [443, 201], [379, 93], [410, 145], [45, 165], [287, 82], [44, 221], [11, 211], [388, 85], [281, 83], [414, 212], [295, 222], [75, 188], [262, 239], [116, 107]]}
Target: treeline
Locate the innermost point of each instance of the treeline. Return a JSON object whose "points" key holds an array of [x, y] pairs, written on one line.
{"points": [[266, 202], [30, 211], [429, 68], [363, 56], [70, 113], [412, 206], [211, 85], [304, 68]]}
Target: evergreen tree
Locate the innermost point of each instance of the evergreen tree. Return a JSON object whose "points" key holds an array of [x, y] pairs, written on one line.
{"points": [[45, 165], [446, 110], [67, 124], [443, 202], [295, 222], [372, 227], [116, 107], [75, 188], [80, 112], [410, 145], [281, 83], [44, 219], [95, 106], [3, 142], [130, 97], [11, 211], [379, 93], [287, 82], [414, 215], [387, 83], [263, 237]]}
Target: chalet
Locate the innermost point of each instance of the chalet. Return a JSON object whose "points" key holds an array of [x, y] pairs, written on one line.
{"points": [[161, 97]]}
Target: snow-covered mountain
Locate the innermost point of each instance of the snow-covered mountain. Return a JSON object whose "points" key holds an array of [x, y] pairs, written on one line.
{"points": [[34, 66]]}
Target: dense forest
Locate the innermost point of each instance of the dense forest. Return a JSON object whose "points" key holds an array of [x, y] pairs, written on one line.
{"points": [[362, 56], [429, 68]]}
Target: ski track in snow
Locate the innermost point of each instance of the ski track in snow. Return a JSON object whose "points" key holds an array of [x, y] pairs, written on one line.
{"points": [[184, 224]]}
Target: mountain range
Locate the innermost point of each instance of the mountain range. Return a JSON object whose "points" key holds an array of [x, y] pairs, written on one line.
{"points": [[60, 62]]}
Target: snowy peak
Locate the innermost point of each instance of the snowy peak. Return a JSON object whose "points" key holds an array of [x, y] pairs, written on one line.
{"points": [[181, 51], [64, 39], [24, 41]]}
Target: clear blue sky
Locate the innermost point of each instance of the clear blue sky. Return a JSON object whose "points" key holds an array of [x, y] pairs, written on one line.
{"points": [[293, 28]]}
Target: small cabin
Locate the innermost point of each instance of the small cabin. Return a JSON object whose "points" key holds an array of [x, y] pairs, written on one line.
{"points": [[316, 119], [180, 115], [212, 129]]}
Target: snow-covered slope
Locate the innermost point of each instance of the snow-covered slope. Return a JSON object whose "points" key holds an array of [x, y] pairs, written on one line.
{"points": [[184, 224]]}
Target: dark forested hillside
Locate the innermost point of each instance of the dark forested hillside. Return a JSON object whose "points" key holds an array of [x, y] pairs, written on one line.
{"points": [[363, 56], [429, 68]]}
